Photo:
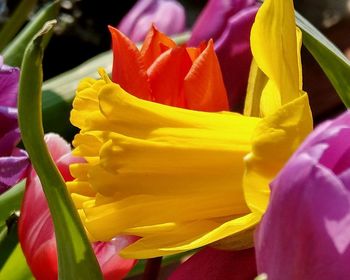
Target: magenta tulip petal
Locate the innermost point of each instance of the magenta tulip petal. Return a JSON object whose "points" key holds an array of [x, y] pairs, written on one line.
{"points": [[213, 19], [234, 54], [305, 232], [9, 77], [127, 23], [8, 120], [12, 170], [345, 178], [324, 133], [36, 231], [167, 15], [8, 142], [13, 162], [299, 219], [213, 264]]}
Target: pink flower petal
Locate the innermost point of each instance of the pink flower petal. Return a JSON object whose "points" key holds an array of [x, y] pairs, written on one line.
{"points": [[36, 232], [305, 232]]}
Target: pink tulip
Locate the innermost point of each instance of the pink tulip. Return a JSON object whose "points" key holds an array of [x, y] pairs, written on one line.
{"points": [[36, 232], [305, 233]]}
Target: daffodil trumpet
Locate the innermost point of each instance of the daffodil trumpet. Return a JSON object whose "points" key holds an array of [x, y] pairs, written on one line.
{"points": [[179, 178]]}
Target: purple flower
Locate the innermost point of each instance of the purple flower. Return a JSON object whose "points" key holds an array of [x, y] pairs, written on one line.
{"points": [[228, 22], [167, 15], [305, 233], [13, 161]]}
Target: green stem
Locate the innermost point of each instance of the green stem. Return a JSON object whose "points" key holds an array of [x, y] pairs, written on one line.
{"points": [[76, 259]]}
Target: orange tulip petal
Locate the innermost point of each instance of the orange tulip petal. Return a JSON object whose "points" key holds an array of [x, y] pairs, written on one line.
{"points": [[194, 53], [154, 45], [203, 86], [129, 70], [166, 76]]}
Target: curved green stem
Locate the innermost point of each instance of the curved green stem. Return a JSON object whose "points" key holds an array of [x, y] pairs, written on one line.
{"points": [[76, 259]]}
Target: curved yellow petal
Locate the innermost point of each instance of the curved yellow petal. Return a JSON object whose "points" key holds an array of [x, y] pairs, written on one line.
{"points": [[275, 94], [189, 236], [263, 97], [274, 47]]}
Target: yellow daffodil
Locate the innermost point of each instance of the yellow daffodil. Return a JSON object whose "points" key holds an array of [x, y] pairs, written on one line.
{"points": [[181, 179]]}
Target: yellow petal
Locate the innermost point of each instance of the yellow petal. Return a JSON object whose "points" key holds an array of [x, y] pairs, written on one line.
{"points": [[187, 237], [256, 84], [274, 47], [274, 141], [263, 97]]}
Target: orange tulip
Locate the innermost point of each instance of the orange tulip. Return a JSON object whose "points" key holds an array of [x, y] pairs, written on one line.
{"points": [[169, 74]]}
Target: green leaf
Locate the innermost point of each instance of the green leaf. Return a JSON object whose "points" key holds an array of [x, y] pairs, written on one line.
{"points": [[16, 21], [16, 267], [10, 201], [332, 61], [76, 259], [13, 53]]}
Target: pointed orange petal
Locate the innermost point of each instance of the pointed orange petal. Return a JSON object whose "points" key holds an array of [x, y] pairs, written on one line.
{"points": [[128, 67], [204, 87], [195, 52], [154, 45], [166, 76]]}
